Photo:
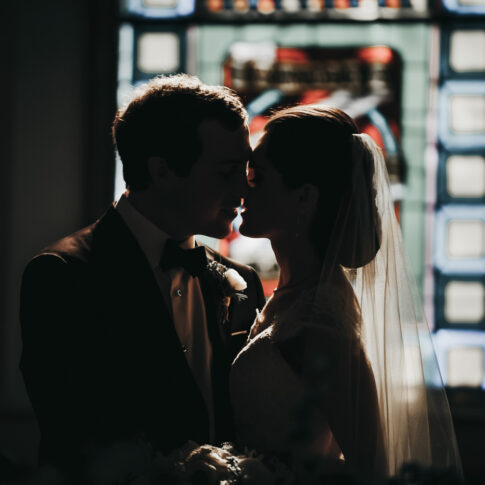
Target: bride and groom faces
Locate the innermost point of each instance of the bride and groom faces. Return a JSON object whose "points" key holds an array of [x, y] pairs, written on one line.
{"points": [[124, 335]]}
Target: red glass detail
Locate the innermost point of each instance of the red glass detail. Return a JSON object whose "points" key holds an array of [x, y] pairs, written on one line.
{"points": [[257, 124], [269, 286], [284, 54], [341, 3], [313, 95], [379, 53], [375, 134]]}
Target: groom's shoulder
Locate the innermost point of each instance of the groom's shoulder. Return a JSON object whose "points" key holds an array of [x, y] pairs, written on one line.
{"points": [[68, 252], [58, 265], [79, 246], [75, 246]]}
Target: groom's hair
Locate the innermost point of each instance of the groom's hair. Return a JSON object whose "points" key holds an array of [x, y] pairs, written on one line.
{"points": [[163, 119]]}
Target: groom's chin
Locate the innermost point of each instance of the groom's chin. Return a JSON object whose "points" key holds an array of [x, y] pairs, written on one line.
{"points": [[245, 230], [219, 231]]}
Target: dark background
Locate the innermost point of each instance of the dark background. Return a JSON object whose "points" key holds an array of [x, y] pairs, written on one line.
{"points": [[58, 85]]}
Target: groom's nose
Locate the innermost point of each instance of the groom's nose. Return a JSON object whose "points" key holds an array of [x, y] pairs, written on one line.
{"points": [[244, 188], [241, 184]]}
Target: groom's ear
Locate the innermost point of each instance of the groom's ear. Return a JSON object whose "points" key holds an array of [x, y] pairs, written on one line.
{"points": [[308, 197], [157, 168]]}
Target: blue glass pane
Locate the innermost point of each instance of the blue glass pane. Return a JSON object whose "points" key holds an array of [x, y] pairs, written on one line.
{"points": [[461, 357], [465, 7], [158, 9], [461, 178], [459, 301], [462, 53], [459, 239], [462, 115], [158, 50]]}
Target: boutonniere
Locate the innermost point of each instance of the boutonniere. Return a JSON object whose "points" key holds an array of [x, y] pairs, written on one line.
{"points": [[230, 284]]}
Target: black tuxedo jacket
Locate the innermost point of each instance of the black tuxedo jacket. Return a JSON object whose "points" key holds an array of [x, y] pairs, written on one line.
{"points": [[101, 358]]}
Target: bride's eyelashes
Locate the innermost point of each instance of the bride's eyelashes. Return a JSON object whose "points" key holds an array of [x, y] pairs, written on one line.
{"points": [[227, 172], [251, 177], [230, 171]]}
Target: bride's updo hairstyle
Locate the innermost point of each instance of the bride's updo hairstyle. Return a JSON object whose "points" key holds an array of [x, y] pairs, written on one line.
{"points": [[320, 146]]}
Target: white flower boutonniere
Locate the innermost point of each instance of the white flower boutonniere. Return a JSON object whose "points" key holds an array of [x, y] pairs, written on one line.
{"points": [[235, 280], [230, 284]]}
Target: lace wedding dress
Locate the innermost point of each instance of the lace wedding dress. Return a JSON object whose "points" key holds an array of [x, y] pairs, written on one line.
{"points": [[268, 390], [292, 385]]}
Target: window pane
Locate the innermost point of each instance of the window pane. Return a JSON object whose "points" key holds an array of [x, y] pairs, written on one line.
{"points": [[471, 2], [465, 366], [158, 52], [465, 239], [467, 114], [290, 5], [467, 50], [464, 302], [160, 3], [465, 176]]}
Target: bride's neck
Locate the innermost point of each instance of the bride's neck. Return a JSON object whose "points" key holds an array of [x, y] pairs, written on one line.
{"points": [[298, 261]]}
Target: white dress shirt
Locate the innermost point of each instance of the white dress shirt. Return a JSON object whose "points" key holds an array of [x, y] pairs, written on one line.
{"points": [[183, 296]]}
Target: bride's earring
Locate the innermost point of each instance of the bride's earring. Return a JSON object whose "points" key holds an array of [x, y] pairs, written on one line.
{"points": [[298, 226]]}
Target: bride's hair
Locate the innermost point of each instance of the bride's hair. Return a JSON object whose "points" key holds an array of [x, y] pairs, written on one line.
{"points": [[318, 146]]}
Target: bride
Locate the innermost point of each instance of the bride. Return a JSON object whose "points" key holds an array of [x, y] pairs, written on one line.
{"points": [[339, 363]]}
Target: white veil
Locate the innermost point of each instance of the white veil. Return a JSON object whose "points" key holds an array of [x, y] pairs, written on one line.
{"points": [[371, 310]]}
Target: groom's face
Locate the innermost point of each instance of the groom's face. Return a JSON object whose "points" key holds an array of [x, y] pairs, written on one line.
{"points": [[212, 192]]}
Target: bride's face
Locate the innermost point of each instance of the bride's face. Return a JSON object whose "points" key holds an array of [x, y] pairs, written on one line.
{"points": [[270, 208]]}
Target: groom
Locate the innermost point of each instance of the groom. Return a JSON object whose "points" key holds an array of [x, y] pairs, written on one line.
{"points": [[129, 326]]}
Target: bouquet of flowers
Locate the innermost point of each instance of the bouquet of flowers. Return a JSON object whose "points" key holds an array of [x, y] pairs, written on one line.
{"points": [[212, 465], [135, 463]]}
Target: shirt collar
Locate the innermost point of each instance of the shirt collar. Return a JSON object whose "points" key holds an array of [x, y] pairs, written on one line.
{"points": [[150, 237]]}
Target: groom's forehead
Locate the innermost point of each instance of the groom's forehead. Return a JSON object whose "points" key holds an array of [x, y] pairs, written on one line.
{"points": [[222, 158], [220, 143], [257, 155]]}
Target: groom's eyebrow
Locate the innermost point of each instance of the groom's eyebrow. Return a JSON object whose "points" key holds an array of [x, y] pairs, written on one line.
{"points": [[232, 161], [253, 164]]}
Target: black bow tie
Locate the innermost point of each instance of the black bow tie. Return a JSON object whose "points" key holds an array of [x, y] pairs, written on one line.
{"points": [[193, 260]]}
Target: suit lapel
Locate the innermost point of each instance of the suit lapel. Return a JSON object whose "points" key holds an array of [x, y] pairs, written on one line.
{"points": [[118, 251], [144, 310], [219, 334], [219, 331]]}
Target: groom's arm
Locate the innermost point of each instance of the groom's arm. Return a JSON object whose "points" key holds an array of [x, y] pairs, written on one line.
{"points": [[47, 314]]}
